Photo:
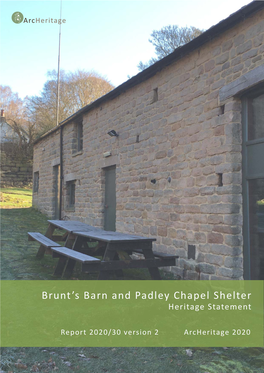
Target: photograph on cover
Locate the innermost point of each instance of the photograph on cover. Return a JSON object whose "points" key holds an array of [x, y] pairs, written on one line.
{"points": [[132, 146]]}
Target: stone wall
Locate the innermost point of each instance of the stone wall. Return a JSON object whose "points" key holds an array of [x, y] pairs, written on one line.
{"points": [[172, 129], [46, 156], [15, 171]]}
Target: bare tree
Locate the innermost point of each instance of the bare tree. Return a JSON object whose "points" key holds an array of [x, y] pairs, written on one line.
{"points": [[77, 89], [33, 116], [167, 39], [16, 117]]}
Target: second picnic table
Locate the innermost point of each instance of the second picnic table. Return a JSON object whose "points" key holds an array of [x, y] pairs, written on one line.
{"points": [[115, 248]]}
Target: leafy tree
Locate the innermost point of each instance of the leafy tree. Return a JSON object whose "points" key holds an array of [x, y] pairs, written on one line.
{"points": [[77, 89], [167, 39]]}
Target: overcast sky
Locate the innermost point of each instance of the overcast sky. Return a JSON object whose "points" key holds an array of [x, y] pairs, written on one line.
{"points": [[109, 37]]}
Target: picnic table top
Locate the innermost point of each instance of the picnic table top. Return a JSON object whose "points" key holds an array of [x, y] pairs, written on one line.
{"points": [[85, 230], [73, 225], [109, 236]]}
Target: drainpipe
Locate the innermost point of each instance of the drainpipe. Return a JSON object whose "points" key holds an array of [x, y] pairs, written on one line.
{"points": [[61, 171]]}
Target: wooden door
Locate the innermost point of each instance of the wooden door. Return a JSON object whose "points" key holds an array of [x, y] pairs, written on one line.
{"points": [[56, 188], [110, 199]]}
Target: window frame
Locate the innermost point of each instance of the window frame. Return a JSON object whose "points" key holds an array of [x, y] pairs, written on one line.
{"points": [[79, 136], [70, 195], [77, 142]]}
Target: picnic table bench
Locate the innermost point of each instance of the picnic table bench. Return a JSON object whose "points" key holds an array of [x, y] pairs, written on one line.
{"points": [[115, 248]]}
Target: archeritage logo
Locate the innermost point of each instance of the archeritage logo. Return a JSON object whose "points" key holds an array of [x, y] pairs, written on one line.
{"points": [[18, 17]]}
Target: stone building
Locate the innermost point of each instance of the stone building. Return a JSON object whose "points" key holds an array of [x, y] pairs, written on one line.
{"points": [[184, 162]]}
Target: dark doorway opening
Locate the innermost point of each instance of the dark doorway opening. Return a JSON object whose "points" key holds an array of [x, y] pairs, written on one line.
{"points": [[253, 185], [110, 199]]}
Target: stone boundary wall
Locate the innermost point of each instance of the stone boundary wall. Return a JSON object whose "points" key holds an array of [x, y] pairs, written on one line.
{"points": [[173, 129], [15, 172]]}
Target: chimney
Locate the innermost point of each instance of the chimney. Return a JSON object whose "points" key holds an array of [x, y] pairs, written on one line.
{"points": [[2, 119]]}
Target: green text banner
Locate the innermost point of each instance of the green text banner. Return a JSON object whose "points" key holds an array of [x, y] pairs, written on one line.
{"points": [[132, 313]]}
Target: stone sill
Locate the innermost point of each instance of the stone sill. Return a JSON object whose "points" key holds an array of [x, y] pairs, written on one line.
{"points": [[70, 209], [77, 153]]}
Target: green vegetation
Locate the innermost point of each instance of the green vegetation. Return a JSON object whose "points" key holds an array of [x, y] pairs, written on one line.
{"points": [[261, 202], [15, 198], [18, 262]]}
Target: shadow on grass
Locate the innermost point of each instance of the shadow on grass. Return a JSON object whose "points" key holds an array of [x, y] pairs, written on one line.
{"points": [[18, 256]]}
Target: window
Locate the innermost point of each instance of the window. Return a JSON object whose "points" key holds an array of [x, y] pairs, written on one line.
{"points": [[155, 96], [35, 182], [256, 117], [79, 136], [70, 195], [77, 144]]}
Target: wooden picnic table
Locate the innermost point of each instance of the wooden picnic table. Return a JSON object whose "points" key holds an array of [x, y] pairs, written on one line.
{"points": [[115, 248]]}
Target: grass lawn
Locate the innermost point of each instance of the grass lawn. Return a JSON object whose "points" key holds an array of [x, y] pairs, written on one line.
{"points": [[18, 262], [15, 198]]}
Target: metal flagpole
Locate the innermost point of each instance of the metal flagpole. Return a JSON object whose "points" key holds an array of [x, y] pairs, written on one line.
{"points": [[57, 121], [58, 77]]}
